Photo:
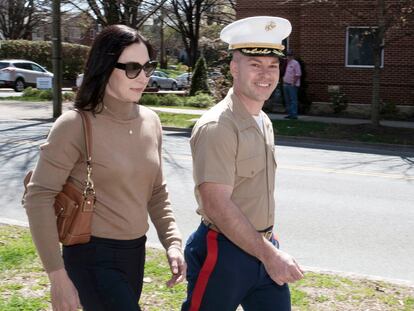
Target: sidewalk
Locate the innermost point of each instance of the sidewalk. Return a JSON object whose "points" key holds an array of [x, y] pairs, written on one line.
{"points": [[31, 110], [274, 116]]}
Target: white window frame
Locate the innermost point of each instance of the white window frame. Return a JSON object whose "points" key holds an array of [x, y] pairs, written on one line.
{"points": [[75, 32], [347, 46]]}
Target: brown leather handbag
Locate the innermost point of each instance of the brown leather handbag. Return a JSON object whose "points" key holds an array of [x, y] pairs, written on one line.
{"points": [[73, 208]]}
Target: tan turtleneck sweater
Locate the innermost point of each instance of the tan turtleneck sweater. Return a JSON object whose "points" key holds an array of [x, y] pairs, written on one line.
{"points": [[127, 172]]}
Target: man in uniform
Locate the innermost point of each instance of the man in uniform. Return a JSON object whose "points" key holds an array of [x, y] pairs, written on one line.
{"points": [[233, 256]]}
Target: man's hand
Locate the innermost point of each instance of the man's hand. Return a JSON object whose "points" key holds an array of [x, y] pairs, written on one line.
{"points": [[280, 266], [177, 265], [62, 291]]}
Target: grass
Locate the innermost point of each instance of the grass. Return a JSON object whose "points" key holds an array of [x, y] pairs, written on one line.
{"points": [[360, 132], [24, 285], [177, 120]]}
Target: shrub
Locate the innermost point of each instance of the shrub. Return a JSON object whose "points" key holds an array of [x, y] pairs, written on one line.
{"points": [[200, 100], [199, 79], [170, 100], [73, 55], [46, 94], [389, 110], [339, 100], [149, 100], [30, 92], [68, 96]]}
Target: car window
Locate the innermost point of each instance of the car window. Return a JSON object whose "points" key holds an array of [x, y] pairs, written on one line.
{"points": [[163, 75], [4, 65], [23, 66], [37, 68]]}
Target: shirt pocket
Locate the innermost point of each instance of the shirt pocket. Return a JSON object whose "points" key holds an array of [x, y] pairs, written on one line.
{"points": [[250, 167]]}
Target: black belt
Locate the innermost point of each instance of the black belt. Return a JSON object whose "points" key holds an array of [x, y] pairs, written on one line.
{"points": [[266, 233]]}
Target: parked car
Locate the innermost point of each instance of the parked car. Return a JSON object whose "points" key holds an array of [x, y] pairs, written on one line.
{"points": [[19, 73], [161, 80], [79, 80], [184, 80]]}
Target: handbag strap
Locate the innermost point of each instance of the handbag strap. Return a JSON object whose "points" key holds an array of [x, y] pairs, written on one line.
{"points": [[87, 128]]}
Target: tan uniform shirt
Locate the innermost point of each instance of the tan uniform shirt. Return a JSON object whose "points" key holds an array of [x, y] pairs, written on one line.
{"points": [[127, 172], [229, 148]]}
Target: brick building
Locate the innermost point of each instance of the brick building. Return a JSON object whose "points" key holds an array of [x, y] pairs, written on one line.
{"points": [[327, 39]]}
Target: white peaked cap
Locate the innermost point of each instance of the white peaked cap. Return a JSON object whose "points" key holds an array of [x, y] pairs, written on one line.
{"points": [[257, 35]]}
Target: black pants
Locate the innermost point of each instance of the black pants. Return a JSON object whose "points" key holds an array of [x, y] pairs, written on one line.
{"points": [[107, 273]]}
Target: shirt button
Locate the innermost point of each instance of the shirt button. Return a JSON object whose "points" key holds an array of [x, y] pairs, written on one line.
{"points": [[252, 172]]}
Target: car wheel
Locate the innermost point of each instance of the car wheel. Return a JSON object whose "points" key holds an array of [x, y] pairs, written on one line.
{"points": [[174, 86], [19, 85], [154, 85]]}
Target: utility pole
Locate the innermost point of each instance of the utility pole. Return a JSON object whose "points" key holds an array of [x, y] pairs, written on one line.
{"points": [[163, 58], [56, 59]]}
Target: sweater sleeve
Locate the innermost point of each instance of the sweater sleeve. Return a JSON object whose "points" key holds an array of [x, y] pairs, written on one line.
{"points": [[159, 208], [57, 158]]}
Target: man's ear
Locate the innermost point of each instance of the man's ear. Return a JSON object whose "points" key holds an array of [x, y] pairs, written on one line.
{"points": [[234, 69]]}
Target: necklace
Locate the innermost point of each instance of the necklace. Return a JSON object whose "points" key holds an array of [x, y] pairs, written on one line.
{"points": [[130, 132]]}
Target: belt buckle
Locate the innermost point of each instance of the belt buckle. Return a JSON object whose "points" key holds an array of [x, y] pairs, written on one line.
{"points": [[268, 235]]}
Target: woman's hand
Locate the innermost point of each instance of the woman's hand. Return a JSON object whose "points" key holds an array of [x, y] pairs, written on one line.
{"points": [[62, 291], [177, 265]]}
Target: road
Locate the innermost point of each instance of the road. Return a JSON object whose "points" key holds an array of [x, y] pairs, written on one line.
{"points": [[338, 208]]}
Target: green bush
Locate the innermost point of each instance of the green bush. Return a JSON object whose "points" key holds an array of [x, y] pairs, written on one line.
{"points": [[73, 55], [389, 110], [149, 100], [30, 92], [68, 96], [201, 100], [339, 101], [46, 94], [170, 100], [199, 79]]}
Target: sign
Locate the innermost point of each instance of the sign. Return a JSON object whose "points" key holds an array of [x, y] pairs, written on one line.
{"points": [[44, 83]]}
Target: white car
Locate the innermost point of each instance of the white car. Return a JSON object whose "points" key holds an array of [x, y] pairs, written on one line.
{"points": [[79, 80], [19, 74], [160, 80], [184, 80]]}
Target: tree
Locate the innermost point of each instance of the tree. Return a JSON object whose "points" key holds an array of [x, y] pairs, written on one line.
{"points": [[19, 17], [132, 13], [199, 79], [188, 16], [390, 21]]}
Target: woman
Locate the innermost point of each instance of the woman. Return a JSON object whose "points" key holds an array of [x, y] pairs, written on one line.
{"points": [[107, 272]]}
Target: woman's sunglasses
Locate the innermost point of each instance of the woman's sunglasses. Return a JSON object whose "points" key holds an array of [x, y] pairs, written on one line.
{"points": [[132, 70]]}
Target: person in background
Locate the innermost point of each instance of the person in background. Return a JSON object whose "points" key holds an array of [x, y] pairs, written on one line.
{"points": [[107, 272], [291, 84], [233, 257]]}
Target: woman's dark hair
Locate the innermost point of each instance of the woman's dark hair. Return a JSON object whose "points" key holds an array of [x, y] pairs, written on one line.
{"points": [[103, 56]]}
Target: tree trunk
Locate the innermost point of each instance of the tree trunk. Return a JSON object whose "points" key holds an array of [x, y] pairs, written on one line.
{"points": [[194, 52], [375, 104], [163, 58], [377, 49], [57, 59]]}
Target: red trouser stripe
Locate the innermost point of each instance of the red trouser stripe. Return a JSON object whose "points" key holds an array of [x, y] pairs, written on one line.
{"points": [[206, 270]]}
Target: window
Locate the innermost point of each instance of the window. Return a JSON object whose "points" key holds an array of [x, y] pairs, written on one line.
{"points": [[359, 42], [74, 32], [37, 68], [23, 66]]}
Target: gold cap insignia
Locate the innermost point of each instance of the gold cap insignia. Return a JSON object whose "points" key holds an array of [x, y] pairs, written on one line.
{"points": [[270, 26]]}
